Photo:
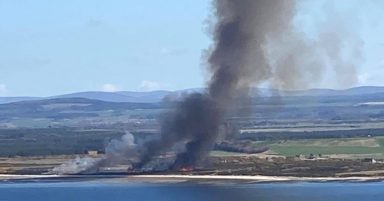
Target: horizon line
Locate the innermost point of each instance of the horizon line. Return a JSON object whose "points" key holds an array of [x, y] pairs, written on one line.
{"points": [[166, 90]]}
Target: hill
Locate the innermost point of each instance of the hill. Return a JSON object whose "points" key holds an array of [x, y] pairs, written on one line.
{"points": [[158, 96]]}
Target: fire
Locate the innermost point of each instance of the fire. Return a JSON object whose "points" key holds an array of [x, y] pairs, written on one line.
{"points": [[186, 169]]}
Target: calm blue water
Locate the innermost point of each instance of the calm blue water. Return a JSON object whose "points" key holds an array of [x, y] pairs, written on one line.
{"points": [[99, 191]]}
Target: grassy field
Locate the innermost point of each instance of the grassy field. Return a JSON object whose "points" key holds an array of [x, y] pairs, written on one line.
{"points": [[226, 153], [306, 150], [351, 146], [347, 147]]}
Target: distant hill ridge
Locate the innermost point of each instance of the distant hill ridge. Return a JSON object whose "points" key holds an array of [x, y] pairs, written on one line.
{"points": [[157, 96]]}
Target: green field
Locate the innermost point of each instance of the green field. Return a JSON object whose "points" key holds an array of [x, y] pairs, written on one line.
{"points": [[306, 150], [351, 146], [225, 153]]}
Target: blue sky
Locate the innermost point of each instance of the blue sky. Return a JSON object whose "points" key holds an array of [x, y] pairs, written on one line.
{"points": [[54, 47]]}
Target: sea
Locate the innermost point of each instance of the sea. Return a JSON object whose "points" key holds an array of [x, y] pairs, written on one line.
{"points": [[188, 191]]}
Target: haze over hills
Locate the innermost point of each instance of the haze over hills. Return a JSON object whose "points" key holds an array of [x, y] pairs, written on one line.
{"points": [[333, 92], [17, 99], [103, 109], [120, 96], [158, 96]]}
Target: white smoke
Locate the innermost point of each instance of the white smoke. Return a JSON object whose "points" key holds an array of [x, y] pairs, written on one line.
{"points": [[77, 165], [121, 151]]}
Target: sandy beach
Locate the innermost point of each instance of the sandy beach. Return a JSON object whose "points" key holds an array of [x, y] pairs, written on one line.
{"points": [[192, 178], [257, 178]]}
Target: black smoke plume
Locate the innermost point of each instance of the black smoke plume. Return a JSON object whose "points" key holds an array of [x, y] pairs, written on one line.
{"points": [[235, 61], [254, 42], [195, 122]]}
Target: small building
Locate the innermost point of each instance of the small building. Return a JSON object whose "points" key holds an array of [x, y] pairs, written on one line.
{"points": [[93, 153]]}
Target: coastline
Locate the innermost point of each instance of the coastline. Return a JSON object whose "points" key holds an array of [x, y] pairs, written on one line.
{"points": [[259, 178], [189, 178]]}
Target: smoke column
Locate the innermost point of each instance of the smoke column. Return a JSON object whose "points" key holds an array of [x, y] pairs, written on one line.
{"points": [[236, 61], [254, 42]]}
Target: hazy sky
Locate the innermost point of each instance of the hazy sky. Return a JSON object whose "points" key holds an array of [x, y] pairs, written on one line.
{"points": [[53, 47]]}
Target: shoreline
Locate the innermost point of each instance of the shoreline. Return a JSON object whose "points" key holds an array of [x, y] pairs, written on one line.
{"points": [[259, 178], [188, 178]]}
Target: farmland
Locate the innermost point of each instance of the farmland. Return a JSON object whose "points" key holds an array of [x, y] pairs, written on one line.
{"points": [[293, 132]]}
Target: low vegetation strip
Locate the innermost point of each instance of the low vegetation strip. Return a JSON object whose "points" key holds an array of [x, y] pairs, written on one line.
{"points": [[355, 146], [41, 142], [307, 150], [380, 141]]}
